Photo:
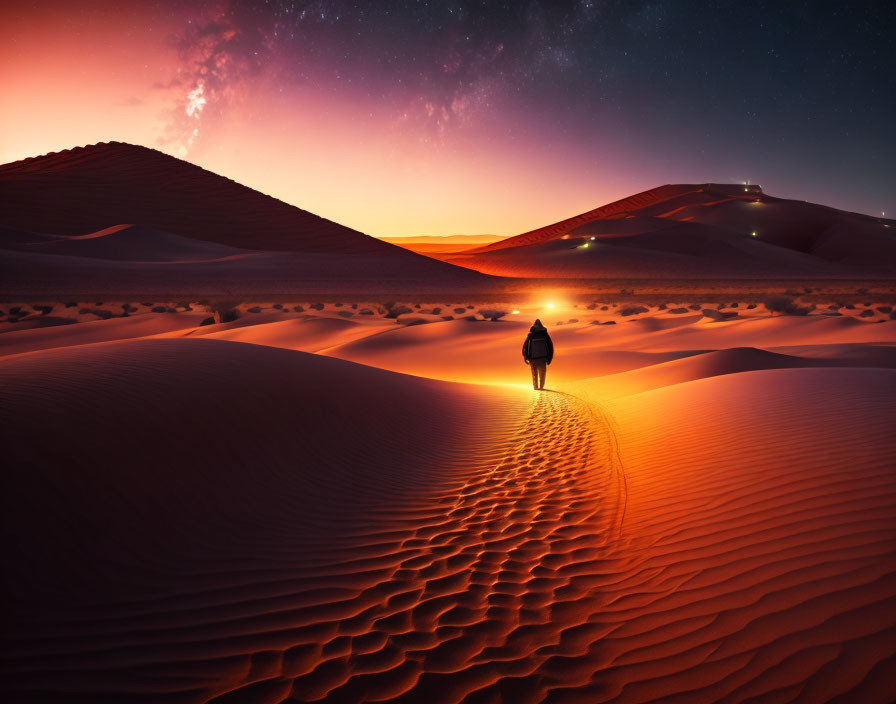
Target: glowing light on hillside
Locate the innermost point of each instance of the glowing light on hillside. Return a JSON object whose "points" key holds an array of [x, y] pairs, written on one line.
{"points": [[592, 239], [514, 312], [753, 233], [585, 245], [551, 305]]}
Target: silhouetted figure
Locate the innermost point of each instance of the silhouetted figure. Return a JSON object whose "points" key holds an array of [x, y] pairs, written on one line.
{"points": [[538, 351]]}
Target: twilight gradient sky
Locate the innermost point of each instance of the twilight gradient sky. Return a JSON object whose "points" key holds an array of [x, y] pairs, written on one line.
{"points": [[400, 118]]}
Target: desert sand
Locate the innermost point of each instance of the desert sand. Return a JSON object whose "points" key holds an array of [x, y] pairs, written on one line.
{"points": [[697, 509], [254, 456]]}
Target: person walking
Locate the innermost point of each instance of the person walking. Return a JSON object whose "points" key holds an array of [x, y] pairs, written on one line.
{"points": [[538, 351]]}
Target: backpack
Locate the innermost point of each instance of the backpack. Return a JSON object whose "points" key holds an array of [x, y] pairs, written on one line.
{"points": [[538, 348]]}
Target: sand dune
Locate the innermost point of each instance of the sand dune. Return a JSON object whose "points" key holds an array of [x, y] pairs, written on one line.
{"points": [[128, 243], [297, 527], [31, 340], [759, 559], [698, 230], [191, 234]]}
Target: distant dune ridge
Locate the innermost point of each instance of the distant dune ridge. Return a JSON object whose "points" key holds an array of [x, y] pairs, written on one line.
{"points": [[704, 230], [125, 219], [65, 230]]}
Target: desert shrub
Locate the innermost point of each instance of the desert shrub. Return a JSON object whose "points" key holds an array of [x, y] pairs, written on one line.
{"points": [[458, 311], [834, 306], [492, 314], [278, 306], [559, 322], [254, 309], [98, 303], [15, 310], [44, 310], [298, 309], [678, 311], [417, 306], [573, 320], [850, 306], [146, 305], [592, 306], [610, 322], [469, 307], [447, 317], [338, 305], [866, 313], [185, 305], [436, 311], [354, 306], [735, 305], [470, 317], [627, 292], [316, 306], [346, 313], [751, 306], [662, 306], [594, 322], [223, 311], [893, 315], [886, 310], [366, 311], [694, 306], [128, 307], [99, 313], [408, 322], [397, 310], [155, 309], [605, 307], [717, 314], [207, 321], [785, 305], [72, 304], [633, 310]]}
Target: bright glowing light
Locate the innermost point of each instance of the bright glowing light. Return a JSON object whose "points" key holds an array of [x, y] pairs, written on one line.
{"points": [[550, 305], [585, 245], [746, 189], [753, 233], [514, 312], [592, 239]]}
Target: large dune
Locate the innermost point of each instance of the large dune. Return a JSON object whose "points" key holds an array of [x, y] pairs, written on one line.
{"points": [[218, 521], [193, 232], [701, 230]]}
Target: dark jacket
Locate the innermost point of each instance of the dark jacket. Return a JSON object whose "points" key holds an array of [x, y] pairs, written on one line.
{"points": [[538, 332]]}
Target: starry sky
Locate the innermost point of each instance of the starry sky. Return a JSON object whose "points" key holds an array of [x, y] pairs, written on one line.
{"points": [[412, 118]]}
